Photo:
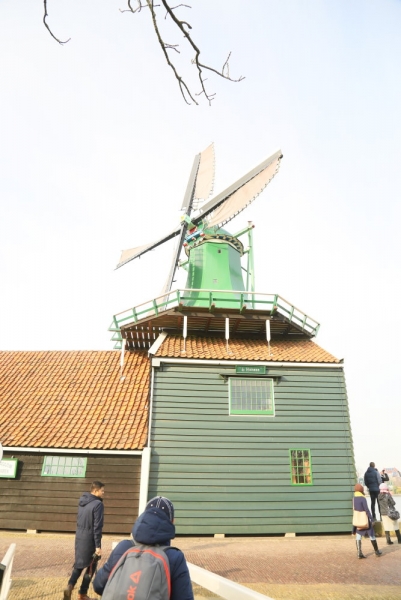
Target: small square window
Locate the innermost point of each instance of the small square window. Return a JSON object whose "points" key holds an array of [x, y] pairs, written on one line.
{"points": [[301, 467], [63, 466], [251, 396]]}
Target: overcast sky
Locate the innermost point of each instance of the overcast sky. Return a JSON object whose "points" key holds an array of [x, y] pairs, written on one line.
{"points": [[96, 146]]}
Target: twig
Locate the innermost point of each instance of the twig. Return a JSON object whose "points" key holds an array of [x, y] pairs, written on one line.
{"points": [[178, 6], [138, 9], [48, 28], [172, 47]]}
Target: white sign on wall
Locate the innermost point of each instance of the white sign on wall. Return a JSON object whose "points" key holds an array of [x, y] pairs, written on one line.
{"points": [[8, 467]]}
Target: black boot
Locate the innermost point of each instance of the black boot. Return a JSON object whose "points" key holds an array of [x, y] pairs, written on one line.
{"points": [[398, 534], [377, 551], [389, 542], [68, 592], [359, 549]]}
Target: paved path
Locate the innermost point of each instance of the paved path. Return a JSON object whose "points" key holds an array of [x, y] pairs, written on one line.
{"points": [[301, 568]]}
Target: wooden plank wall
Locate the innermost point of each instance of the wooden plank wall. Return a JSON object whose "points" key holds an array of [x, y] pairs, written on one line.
{"points": [[231, 474], [50, 503]]}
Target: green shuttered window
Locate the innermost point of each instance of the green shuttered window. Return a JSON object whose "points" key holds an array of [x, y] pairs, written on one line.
{"points": [[301, 467], [251, 396], [64, 466]]}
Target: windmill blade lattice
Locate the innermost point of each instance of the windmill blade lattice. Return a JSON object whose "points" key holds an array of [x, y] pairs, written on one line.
{"points": [[128, 255], [205, 179], [240, 194], [199, 188]]}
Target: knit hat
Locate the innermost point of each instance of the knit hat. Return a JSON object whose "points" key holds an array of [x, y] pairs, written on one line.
{"points": [[359, 488], [163, 503], [383, 487]]}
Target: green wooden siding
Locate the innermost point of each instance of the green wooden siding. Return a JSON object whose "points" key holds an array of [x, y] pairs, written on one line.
{"points": [[231, 473]]}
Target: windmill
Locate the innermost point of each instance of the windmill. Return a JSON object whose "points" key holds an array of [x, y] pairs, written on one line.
{"points": [[215, 298], [214, 255]]}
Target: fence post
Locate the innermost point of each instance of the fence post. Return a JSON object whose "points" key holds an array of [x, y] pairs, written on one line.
{"points": [[5, 581]]}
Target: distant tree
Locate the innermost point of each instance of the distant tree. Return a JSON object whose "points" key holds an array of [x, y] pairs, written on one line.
{"points": [[182, 27]]}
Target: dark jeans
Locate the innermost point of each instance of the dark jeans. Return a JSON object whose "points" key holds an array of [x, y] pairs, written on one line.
{"points": [[373, 499], [85, 581]]}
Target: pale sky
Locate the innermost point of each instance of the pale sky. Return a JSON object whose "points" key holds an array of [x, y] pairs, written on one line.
{"points": [[97, 145]]}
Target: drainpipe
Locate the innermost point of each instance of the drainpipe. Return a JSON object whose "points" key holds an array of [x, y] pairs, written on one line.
{"points": [[144, 484], [251, 263], [146, 454]]}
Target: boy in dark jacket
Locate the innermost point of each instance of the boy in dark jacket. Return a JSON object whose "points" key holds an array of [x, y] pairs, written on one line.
{"points": [[88, 539], [372, 481], [153, 527]]}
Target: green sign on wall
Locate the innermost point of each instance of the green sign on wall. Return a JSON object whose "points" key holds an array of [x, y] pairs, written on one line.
{"points": [[251, 369], [8, 468]]}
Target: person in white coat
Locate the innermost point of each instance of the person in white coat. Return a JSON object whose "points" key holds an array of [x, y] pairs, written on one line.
{"points": [[386, 502]]}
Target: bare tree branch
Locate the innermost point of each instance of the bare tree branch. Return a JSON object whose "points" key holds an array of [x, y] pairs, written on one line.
{"points": [[200, 66], [185, 28], [183, 86], [222, 74], [48, 28]]}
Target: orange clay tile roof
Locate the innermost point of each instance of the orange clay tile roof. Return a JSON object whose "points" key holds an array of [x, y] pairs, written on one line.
{"points": [[286, 350], [74, 400]]}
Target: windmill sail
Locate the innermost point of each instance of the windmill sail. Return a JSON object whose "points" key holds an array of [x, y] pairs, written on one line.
{"points": [[200, 183], [189, 192], [234, 199], [201, 180], [174, 263], [132, 253], [205, 179]]}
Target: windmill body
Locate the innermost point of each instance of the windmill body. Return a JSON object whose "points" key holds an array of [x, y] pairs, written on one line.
{"points": [[214, 263]]}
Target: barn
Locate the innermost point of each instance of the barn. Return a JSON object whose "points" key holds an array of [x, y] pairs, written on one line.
{"points": [[246, 436], [66, 419]]}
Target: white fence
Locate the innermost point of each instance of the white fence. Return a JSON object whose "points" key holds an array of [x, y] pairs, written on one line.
{"points": [[7, 562], [223, 587], [229, 590]]}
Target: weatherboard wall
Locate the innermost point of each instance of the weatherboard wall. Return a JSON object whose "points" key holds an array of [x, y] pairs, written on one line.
{"points": [[31, 501], [231, 474]]}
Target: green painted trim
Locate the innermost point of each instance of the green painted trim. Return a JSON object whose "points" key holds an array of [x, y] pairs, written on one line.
{"points": [[310, 466]]}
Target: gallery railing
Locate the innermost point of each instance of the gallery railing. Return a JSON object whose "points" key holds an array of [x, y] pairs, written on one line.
{"points": [[211, 299]]}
